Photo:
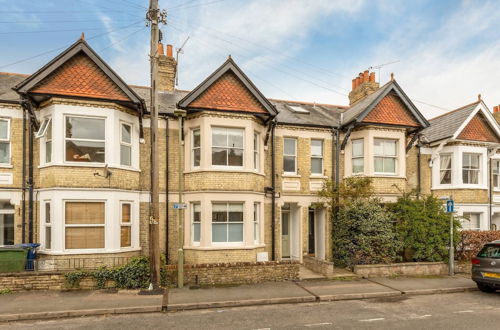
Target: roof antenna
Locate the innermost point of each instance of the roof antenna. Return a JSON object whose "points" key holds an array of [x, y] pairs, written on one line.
{"points": [[82, 37], [381, 66], [179, 50]]}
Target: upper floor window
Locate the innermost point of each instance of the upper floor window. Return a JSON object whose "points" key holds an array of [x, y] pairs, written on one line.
{"points": [[45, 130], [290, 155], [4, 141], [385, 152], [317, 157], [85, 139], [256, 151], [125, 144], [445, 168], [496, 173], [358, 160], [84, 225], [227, 222], [227, 146], [195, 147], [470, 168]]}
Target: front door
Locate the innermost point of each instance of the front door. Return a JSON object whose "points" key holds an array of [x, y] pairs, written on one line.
{"points": [[285, 234], [312, 234]]}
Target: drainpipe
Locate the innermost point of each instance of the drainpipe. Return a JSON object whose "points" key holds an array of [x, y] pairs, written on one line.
{"points": [[166, 191], [180, 225], [490, 192], [23, 205], [273, 185], [30, 183], [335, 178], [419, 173]]}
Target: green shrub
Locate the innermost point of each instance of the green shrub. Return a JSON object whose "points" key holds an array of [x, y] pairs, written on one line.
{"points": [[73, 278], [423, 227], [364, 234]]}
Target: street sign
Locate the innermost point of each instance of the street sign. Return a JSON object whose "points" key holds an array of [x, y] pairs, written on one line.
{"points": [[180, 206], [450, 205]]}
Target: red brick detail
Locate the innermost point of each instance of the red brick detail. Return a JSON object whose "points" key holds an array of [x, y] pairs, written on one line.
{"points": [[391, 110], [80, 76], [228, 93], [478, 130]]}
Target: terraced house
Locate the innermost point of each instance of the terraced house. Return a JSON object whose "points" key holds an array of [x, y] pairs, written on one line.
{"points": [[75, 162]]}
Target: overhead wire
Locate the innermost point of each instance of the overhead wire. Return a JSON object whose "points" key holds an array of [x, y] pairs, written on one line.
{"points": [[123, 39]]}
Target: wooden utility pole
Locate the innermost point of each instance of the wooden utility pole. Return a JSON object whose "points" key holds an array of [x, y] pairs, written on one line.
{"points": [[154, 17]]}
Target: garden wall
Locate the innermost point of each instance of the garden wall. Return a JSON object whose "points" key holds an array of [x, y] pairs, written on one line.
{"points": [[403, 269]]}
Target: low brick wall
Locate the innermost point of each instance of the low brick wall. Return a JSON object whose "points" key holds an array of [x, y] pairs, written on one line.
{"points": [[405, 269], [322, 267], [235, 273]]}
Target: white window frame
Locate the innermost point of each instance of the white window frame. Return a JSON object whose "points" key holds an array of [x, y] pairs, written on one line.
{"points": [[123, 143], [395, 157], [193, 242], [470, 169], [104, 225], [193, 147], [495, 172], [106, 149], [7, 140], [294, 155], [362, 141], [256, 151], [318, 157], [480, 215], [48, 224], [228, 148], [228, 244], [48, 140], [124, 224], [447, 154], [256, 223]]}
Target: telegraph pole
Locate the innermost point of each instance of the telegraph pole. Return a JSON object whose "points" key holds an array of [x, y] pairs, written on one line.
{"points": [[154, 16]]}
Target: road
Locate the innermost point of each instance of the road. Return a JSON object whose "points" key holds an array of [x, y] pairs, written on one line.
{"points": [[469, 310]]}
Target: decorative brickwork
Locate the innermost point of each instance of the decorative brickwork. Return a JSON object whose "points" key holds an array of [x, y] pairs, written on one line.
{"points": [[80, 76], [228, 93], [391, 110], [478, 129]]}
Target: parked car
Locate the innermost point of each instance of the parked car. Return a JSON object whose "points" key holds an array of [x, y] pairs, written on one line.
{"points": [[486, 267]]}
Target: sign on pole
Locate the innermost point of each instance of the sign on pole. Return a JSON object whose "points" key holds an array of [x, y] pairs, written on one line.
{"points": [[180, 206], [450, 206]]}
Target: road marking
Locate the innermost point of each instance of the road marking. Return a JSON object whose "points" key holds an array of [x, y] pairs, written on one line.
{"points": [[263, 329], [421, 317], [467, 311], [318, 324], [372, 320]]}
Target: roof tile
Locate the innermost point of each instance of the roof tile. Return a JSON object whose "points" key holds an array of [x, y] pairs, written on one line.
{"points": [[478, 130], [391, 110]]}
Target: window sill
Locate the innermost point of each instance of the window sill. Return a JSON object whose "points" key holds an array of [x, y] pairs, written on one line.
{"points": [[318, 177], [223, 170], [291, 175], [6, 166], [476, 187], [87, 251], [91, 165], [222, 247]]}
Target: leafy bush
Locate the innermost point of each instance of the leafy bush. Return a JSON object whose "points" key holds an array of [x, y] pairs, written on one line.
{"points": [[423, 227], [364, 234], [472, 241]]}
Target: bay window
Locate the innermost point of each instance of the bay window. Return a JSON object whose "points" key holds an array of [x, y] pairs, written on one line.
{"points": [[358, 158], [48, 226], [290, 156], [471, 221], [470, 168], [85, 139], [317, 157], [385, 159], [256, 223], [256, 158], [126, 225], [4, 141], [227, 222], [84, 225], [227, 146], [125, 144], [445, 166], [195, 223], [195, 147], [496, 173]]}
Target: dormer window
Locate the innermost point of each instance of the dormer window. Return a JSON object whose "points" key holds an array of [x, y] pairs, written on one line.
{"points": [[85, 139]]}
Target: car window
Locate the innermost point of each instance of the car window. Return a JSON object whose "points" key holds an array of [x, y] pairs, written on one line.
{"points": [[490, 251]]}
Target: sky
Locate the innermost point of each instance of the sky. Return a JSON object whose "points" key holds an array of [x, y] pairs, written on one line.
{"points": [[442, 53]]}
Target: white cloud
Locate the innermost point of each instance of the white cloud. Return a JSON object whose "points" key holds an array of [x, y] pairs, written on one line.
{"points": [[113, 34]]}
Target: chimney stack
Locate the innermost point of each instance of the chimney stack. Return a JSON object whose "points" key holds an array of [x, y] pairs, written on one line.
{"points": [[167, 69], [496, 113], [364, 84]]}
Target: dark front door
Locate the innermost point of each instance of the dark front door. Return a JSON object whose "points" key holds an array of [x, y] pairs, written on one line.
{"points": [[311, 234]]}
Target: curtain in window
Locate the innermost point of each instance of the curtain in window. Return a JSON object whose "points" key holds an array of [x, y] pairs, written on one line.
{"points": [[79, 217], [445, 169]]}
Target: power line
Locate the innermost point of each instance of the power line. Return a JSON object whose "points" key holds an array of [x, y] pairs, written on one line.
{"points": [[65, 46], [197, 5], [67, 21], [123, 39]]}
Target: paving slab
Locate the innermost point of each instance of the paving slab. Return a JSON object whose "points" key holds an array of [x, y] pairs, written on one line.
{"points": [[329, 290], [427, 285], [44, 302], [242, 295]]}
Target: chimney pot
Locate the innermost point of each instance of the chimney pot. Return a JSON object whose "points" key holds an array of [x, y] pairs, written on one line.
{"points": [[495, 108], [160, 49], [366, 76], [170, 51], [479, 97], [372, 76], [354, 84], [358, 81]]}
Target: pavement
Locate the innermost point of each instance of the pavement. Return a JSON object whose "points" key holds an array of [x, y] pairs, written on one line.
{"points": [[53, 304]]}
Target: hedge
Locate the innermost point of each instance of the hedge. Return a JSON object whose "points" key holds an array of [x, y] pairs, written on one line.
{"points": [[472, 241]]}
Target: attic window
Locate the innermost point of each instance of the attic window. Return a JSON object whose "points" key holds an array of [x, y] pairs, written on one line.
{"points": [[298, 109]]}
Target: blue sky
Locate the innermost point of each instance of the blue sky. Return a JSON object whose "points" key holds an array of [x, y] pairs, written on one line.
{"points": [[446, 52]]}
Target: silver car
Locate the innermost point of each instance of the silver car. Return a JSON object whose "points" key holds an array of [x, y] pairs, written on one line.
{"points": [[486, 267]]}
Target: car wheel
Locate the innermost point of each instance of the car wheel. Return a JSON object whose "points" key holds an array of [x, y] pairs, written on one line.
{"points": [[485, 288]]}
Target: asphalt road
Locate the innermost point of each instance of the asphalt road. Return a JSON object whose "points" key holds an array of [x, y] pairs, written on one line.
{"points": [[469, 310]]}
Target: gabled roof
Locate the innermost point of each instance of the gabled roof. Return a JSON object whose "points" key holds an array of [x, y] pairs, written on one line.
{"points": [[79, 72], [360, 110], [455, 124], [221, 90]]}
